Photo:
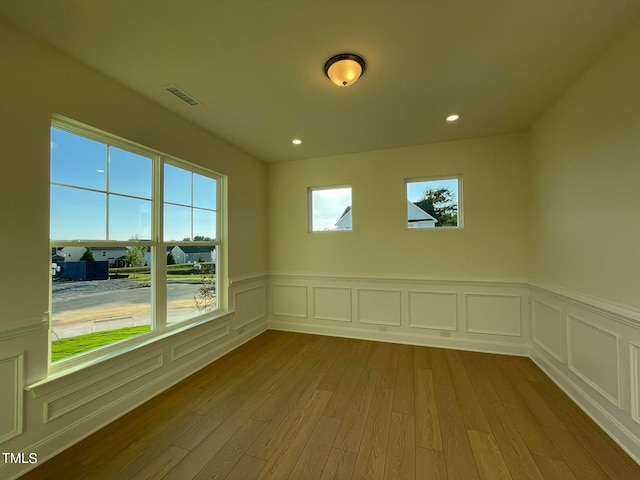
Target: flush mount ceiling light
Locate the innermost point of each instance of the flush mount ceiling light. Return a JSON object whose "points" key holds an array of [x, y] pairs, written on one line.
{"points": [[344, 69], [296, 141], [453, 118]]}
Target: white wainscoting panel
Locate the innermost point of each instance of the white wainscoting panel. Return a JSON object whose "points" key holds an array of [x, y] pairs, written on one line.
{"points": [[409, 310], [635, 381], [378, 306], [199, 343], [435, 310], [593, 355], [549, 330], [11, 388], [249, 305], [332, 303], [494, 314], [289, 300], [90, 389]]}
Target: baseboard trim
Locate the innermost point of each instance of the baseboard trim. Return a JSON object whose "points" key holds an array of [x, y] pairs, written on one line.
{"points": [[473, 345]]}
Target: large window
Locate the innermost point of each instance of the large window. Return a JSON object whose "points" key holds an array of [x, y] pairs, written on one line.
{"points": [[434, 202], [330, 209], [135, 241]]}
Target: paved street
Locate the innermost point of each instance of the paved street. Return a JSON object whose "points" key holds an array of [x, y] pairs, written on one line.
{"points": [[86, 307]]}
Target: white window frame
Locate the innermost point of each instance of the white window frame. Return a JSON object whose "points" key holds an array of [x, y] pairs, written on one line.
{"points": [[310, 191], [457, 177], [159, 327]]}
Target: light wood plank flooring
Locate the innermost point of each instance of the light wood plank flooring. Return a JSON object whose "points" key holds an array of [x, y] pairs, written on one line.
{"points": [[294, 406]]}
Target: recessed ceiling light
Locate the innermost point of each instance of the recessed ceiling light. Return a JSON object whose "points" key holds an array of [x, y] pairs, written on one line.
{"points": [[100, 171], [296, 141], [453, 117]]}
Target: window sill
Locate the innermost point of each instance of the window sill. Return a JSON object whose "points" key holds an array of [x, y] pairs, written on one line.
{"points": [[62, 374], [431, 229]]}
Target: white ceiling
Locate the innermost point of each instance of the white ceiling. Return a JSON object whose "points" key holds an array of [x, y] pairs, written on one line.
{"points": [[257, 65]]}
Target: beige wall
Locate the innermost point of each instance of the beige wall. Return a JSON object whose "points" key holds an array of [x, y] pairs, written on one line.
{"points": [[493, 243], [585, 182], [37, 82]]}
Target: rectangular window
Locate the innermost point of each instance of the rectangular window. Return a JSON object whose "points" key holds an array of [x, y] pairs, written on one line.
{"points": [[116, 209], [330, 209], [434, 202]]}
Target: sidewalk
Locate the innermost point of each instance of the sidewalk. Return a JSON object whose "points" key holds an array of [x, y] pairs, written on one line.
{"points": [[91, 326], [83, 328]]}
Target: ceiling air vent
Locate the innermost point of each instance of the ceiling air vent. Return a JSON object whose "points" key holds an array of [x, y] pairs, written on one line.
{"points": [[181, 94]]}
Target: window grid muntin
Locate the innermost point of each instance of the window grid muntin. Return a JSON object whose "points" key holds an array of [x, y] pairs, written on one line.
{"points": [[192, 170], [157, 244]]}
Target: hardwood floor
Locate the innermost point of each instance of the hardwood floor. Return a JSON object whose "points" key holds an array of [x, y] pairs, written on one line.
{"points": [[297, 406]]}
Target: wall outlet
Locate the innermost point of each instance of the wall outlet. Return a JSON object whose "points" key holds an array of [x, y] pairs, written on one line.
{"points": [[382, 328], [445, 333]]}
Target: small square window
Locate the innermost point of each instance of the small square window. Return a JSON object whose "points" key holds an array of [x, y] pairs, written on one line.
{"points": [[330, 209], [434, 202]]}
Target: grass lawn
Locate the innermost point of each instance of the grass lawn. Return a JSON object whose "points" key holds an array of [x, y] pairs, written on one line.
{"points": [[145, 278], [67, 347], [180, 273]]}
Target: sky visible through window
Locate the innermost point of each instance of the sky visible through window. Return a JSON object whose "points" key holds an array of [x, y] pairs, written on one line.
{"points": [[190, 205], [327, 205], [102, 192], [416, 189]]}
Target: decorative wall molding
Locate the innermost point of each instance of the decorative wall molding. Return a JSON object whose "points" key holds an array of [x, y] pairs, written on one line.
{"points": [[75, 396], [378, 306], [250, 304], [406, 310], [431, 309], [289, 300], [240, 280], [614, 311], [634, 374], [194, 344], [406, 279], [493, 313], [23, 326], [594, 357], [407, 338], [332, 303], [548, 328], [11, 394]]}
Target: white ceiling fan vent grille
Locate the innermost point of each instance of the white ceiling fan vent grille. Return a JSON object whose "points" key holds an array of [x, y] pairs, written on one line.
{"points": [[181, 94]]}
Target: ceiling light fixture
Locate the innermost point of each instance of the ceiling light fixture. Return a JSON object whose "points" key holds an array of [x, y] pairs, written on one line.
{"points": [[453, 117], [344, 69], [296, 141]]}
